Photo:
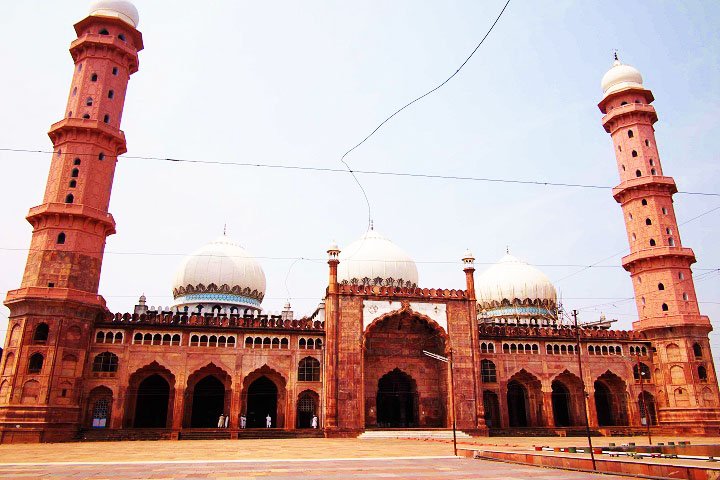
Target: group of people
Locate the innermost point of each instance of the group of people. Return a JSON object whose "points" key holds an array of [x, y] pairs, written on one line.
{"points": [[224, 421]]}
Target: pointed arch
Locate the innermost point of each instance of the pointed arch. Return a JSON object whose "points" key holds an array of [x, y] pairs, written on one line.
{"points": [[610, 400], [152, 388], [524, 400], [257, 395], [207, 395]]}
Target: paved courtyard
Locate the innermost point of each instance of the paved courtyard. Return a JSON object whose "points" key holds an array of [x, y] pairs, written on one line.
{"points": [[425, 468]]}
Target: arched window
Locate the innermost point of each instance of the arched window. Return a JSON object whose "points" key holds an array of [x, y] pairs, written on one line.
{"points": [[76, 161], [652, 242], [36, 363], [194, 340], [118, 338], [147, 339], [100, 337], [93, 77], [591, 350], [75, 172], [644, 201], [266, 342], [275, 342], [665, 307], [310, 343], [671, 241], [86, 116], [203, 340], [61, 238], [104, 32], [106, 118], [111, 94], [648, 221], [284, 343], [661, 286], [630, 134], [488, 373], [137, 338], [231, 342], [309, 370], [101, 156], [248, 342], [653, 171], [167, 339], [318, 344], [638, 173], [69, 198], [89, 101], [73, 183], [157, 339], [121, 37], [702, 373], [302, 343], [115, 71], [212, 341], [41, 334], [643, 370], [697, 350], [506, 348], [634, 153], [105, 362], [175, 339]]}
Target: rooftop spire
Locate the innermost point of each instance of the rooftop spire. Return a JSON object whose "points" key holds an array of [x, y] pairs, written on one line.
{"points": [[615, 55], [225, 230], [372, 224]]}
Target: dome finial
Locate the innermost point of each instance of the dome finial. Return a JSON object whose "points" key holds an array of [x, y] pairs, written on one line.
{"points": [[615, 55], [372, 224], [507, 249], [225, 229]]}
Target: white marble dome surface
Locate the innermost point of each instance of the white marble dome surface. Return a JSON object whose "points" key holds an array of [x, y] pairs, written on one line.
{"points": [[121, 9], [375, 260], [619, 77], [222, 272], [513, 280]]}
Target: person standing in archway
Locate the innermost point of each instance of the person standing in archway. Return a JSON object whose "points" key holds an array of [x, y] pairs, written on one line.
{"points": [[221, 421], [268, 421], [243, 420], [314, 422], [227, 420]]}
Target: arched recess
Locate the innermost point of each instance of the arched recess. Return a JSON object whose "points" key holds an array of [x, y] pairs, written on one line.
{"points": [[150, 397], [610, 400], [524, 400], [307, 405], [567, 397], [99, 407], [397, 400], [9, 362], [4, 391], [207, 395], [646, 407], [708, 397], [15, 334], [30, 392], [396, 341], [491, 404], [264, 393]]}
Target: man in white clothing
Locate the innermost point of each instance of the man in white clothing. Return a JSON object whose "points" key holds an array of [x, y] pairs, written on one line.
{"points": [[221, 421], [314, 422], [268, 421]]}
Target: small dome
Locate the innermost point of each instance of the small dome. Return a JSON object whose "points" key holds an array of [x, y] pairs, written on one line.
{"points": [[221, 272], [375, 260], [514, 280], [619, 77], [121, 9]]}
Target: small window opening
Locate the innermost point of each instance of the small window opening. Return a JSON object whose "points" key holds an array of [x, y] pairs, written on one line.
{"points": [[652, 242], [644, 202], [61, 238], [638, 173], [59, 152], [89, 102], [685, 296], [111, 94], [86, 116], [668, 231], [681, 275], [104, 32], [630, 134], [115, 71], [634, 153], [630, 216], [623, 167], [79, 67], [121, 37], [671, 241], [652, 162], [76, 161], [647, 143], [93, 77], [623, 103], [620, 147], [661, 286], [73, 183], [70, 114], [648, 221], [634, 237], [63, 394], [101, 156], [51, 285], [702, 373], [69, 198], [653, 172], [106, 118], [75, 172], [664, 307], [74, 91]]}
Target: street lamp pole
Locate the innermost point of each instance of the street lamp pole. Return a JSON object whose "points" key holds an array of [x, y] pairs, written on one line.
{"points": [[451, 380], [582, 384], [641, 374]]}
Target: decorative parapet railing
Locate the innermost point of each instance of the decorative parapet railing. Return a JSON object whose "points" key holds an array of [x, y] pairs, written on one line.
{"points": [[385, 291], [222, 321], [595, 334]]}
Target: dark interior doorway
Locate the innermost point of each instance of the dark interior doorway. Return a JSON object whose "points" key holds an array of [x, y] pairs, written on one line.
{"points": [[208, 402], [561, 404], [492, 409], [306, 408], [262, 400], [397, 403], [604, 405], [151, 405], [517, 404]]}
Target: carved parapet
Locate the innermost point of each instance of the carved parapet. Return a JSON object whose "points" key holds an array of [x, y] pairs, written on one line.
{"points": [[247, 321], [524, 331], [385, 291]]}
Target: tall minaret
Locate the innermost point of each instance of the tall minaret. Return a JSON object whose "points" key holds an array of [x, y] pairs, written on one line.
{"points": [[659, 265], [52, 313]]}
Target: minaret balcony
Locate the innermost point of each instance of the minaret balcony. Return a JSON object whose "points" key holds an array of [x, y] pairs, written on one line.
{"points": [[80, 129], [699, 322], [643, 186], [654, 257], [611, 121], [50, 294], [52, 214]]}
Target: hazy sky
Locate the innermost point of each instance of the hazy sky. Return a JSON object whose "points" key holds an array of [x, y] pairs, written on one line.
{"points": [[298, 83]]}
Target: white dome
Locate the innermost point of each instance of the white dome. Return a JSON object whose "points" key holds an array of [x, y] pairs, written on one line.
{"points": [[512, 279], [619, 77], [222, 272], [375, 260], [121, 9]]}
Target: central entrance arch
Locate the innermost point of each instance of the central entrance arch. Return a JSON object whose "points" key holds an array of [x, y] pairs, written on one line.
{"points": [[208, 402], [262, 400], [151, 405], [397, 400]]}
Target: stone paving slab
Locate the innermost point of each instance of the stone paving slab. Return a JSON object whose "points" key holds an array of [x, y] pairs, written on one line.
{"points": [[416, 468]]}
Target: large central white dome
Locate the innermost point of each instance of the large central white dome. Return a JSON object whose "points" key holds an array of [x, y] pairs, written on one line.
{"points": [[513, 280], [222, 273], [375, 260]]}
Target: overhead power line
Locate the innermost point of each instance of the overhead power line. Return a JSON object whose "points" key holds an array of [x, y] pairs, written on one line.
{"points": [[431, 176]]}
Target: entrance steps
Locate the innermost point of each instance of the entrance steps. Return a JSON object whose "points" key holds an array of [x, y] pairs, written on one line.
{"points": [[434, 434], [205, 434], [543, 432], [247, 433], [116, 435]]}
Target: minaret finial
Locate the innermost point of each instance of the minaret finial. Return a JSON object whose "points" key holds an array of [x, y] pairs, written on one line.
{"points": [[507, 249], [615, 54], [372, 224], [224, 229]]}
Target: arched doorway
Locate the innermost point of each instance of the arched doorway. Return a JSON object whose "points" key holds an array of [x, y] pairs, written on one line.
{"points": [[208, 402], [561, 404], [262, 399], [99, 407], [151, 405], [517, 404], [306, 407], [646, 403], [610, 401], [397, 404], [492, 409]]}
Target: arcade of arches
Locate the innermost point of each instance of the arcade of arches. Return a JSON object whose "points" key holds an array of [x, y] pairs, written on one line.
{"points": [[403, 387]]}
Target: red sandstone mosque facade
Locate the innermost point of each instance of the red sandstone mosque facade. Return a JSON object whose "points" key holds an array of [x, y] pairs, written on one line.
{"points": [[71, 368]]}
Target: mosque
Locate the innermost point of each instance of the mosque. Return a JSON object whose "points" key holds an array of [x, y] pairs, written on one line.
{"points": [[504, 358]]}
